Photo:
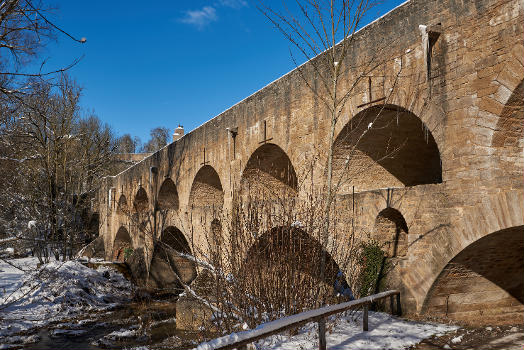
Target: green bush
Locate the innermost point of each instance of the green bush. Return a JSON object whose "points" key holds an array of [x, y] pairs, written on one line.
{"points": [[127, 253], [374, 267]]}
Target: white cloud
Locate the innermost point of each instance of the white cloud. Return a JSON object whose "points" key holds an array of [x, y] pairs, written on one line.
{"points": [[201, 18], [236, 4]]}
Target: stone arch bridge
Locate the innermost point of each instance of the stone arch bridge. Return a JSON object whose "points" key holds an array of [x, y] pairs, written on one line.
{"points": [[430, 143]]}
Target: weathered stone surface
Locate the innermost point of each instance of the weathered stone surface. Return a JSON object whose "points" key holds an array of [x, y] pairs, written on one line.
{"points": [[138, 266], [168, 270], [162, 277], [95, 249], [185, 268], [487, 290], [192, 313]]}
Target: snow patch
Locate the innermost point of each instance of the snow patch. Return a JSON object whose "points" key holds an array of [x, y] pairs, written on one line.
{"points": [[33, 297], [385, 332], [457, 340], [110, 340], [121, 334]]}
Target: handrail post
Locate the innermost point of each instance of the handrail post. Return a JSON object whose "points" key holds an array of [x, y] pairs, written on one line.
{"points": [[322, 334], [365, 318], [399, 307], [392, 305]]}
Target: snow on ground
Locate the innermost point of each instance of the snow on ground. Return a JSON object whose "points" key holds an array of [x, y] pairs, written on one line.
{"points": [[385, 332], [458, 339], [17, 341], [54, 292], [10, 276], [108, 341]]}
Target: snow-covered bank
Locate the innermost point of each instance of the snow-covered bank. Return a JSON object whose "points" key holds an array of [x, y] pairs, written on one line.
{"points": [[385, 332], [11, 274], [55, 292]]}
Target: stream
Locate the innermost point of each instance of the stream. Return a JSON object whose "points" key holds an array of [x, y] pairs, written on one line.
{"points": [[149, 323]]}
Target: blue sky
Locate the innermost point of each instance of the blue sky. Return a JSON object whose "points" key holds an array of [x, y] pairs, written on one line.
{"points": [[164, 63]]}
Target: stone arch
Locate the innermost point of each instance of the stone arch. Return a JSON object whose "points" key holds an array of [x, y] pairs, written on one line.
{"points": [[121, 245], [121, 207], [141, 202], [286, 260], [385, 146], [206, 190], [269, 173], [484, 283], [168, 196], [391, 232], [493, 214], [170, 265], [175, 239]]}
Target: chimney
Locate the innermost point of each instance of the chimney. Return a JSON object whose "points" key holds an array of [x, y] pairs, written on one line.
{"points": [[179, 132]]}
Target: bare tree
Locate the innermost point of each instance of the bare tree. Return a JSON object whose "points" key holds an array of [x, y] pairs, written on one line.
{"points": [[24, 30], [159, 138], [60, 158], [128, 144], [322, 31]]}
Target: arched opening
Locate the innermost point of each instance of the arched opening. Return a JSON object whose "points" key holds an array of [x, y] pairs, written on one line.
{"points": [[175, 239], [206, 191], [284, 246], [168, 196], [385, 146], [122, 246], [283, 267], [269, 173], [141, 202], [169, 267], [121, 207], [484, 283], [391, 232]]}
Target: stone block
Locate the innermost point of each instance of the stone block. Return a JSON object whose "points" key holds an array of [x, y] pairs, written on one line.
{"points": [[192, 314], [490, 105], [138, 266], [518, 53]]}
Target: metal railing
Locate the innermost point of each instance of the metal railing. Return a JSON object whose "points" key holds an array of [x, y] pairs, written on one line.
{"points": [[242, 339]]}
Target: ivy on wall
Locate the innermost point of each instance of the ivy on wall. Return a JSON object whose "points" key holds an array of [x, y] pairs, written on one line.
{"points": [[374, 267]]}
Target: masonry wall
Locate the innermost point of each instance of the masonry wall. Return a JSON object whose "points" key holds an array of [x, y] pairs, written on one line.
{"points": [[469, 104]]}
